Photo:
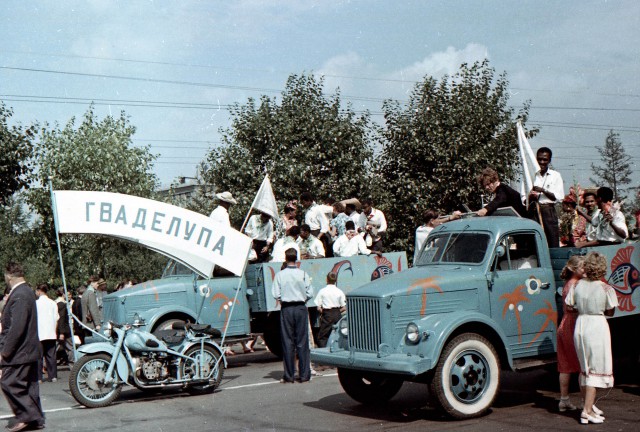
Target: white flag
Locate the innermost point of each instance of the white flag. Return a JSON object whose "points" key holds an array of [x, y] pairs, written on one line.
{"points": [[528, 162], [265, 201]]}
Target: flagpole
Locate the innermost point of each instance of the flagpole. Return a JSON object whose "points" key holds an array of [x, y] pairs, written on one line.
{"points": [[64, 280]]}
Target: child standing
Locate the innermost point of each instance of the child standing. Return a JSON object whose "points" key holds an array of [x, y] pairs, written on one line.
{"points": [[331, 302]]}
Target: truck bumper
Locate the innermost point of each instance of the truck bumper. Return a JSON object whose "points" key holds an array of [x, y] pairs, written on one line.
{"points": [[403, 364]]}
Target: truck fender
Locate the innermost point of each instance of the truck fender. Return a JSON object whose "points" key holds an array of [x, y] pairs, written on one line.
{"points": [[122, 365], [152, 316], [212, 343], [440, 327]]}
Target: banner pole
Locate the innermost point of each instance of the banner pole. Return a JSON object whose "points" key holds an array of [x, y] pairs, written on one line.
{"points": [[54, 209]]}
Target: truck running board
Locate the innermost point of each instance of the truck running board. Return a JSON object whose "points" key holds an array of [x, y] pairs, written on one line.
{"points": [[528, 363]]}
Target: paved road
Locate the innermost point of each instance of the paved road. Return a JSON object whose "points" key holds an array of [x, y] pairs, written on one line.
{"points": [[252, 399]]}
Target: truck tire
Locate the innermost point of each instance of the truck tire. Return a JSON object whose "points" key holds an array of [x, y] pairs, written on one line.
{"points": [[272, 337], [369, 388], [466, 380]]}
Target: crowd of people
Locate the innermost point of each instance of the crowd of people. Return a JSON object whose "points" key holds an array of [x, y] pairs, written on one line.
{"points": [[333, 228]]}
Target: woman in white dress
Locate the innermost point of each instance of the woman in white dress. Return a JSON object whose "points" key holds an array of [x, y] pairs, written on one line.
{"points": [[594, 300]]}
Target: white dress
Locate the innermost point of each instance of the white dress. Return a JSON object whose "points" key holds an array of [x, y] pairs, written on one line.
{"points": [[591, 337]]}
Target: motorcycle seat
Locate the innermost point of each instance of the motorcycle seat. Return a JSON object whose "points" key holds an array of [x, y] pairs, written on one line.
{"points": [[199, 327], [172, 339]]}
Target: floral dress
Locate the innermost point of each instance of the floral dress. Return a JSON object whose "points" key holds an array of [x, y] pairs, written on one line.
{"points": [[592, 337]]}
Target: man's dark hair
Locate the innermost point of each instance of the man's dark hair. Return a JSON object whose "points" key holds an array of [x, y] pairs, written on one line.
{"points": [[605, 194], [306, 196], [329, 201], [291, 255], [43, 287], [349, 225], [545, 150], [294, 231], [351, 207], [14, 269], [429, 215], [586, 194], [368, 201], [81, 289], [332, 278], [305, 228]]}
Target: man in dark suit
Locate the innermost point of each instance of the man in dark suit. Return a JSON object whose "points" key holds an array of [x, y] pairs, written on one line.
{"points": [[20, 350]]}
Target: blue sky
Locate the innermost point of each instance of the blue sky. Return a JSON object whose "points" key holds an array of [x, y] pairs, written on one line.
{"points": [[577, 61]]}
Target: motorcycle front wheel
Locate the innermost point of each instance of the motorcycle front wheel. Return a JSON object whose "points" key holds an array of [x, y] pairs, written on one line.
{"points": [[212, 368], [87, 381]]}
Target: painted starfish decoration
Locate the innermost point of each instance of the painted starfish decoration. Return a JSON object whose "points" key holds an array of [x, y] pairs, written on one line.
{"points": [[425, 284], [552, 318], [225, 302], [513, 298]]}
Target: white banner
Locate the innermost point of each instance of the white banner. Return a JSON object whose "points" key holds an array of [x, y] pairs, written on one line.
{"points": [[186, 236], [265, 201]]}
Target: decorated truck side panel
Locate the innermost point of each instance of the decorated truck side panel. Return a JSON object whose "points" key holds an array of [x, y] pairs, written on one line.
{"points": [[482, 297]]}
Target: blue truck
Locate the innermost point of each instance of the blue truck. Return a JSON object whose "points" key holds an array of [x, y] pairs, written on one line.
{"points": [[480, 298], [177, 295]]}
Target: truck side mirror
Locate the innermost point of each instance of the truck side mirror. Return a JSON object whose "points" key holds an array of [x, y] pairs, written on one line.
{"points": [[500, 251]]}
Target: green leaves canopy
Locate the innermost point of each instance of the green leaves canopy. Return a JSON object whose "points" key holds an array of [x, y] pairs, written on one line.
{"points": [[16, 147]]}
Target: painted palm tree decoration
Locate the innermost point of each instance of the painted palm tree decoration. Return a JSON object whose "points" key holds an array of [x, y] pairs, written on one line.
{"points": [[552, 318], [512, 301], [425, 284]]}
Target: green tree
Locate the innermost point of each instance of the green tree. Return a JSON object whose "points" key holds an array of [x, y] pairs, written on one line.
{"points": [[97, 155], [308, 141], [437, 143], [16, 146], [615, 171]]}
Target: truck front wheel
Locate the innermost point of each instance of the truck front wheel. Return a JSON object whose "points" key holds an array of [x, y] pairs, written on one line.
{"points": [[467, 377], [369, 388]]}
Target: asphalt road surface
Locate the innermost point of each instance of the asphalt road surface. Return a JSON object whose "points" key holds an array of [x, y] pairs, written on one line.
{"points": [[252, 399]]}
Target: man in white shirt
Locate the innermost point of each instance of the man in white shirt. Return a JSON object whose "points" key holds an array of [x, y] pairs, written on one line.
{"points": [[353, 214], [591, 205], [221, 213], [260, 229], [310, 246], [351, 243], [374, 223], [316, 218], [284, 243], [331, 302], [47, 323], [611, 226], [548, 189]]}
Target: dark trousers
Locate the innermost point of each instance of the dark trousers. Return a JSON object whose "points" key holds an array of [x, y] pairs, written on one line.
{"points": [[258, 245], [550, 221], [328, 318], [21, 389], [49, 357], [294, 326]]}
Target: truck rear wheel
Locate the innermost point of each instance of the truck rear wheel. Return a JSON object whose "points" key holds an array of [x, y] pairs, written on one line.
{"points": [[369, 388], [467, 377], [272, 337]]}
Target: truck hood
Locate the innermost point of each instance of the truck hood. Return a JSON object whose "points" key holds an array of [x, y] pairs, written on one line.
{"points": [[155, 287], [440, 278]]}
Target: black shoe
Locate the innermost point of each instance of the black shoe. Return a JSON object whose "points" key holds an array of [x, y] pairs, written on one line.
{"points": [[17, 426]]}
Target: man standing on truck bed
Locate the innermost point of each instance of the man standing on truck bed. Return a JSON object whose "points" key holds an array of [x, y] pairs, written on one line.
{"points": [[220, 214], [292, 289], [548, 188]]}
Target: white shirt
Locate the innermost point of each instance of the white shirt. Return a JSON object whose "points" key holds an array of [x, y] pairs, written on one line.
{"points": [[422, 232], [47, 318], [316, 218], [604, 230], [591, 230], [258, 230], [330, 297], [355, 217], [311, 246], [345, 247], [551, 181], [280, 246], [220, 215], [376, 219]]}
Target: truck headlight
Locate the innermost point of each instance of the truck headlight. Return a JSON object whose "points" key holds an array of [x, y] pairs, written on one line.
{"points": [[343, 327], [412, 333]]}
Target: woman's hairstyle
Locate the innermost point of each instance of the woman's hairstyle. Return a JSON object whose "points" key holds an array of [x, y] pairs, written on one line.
{"points": [[574, 263], [488, 176], [595, 266]]}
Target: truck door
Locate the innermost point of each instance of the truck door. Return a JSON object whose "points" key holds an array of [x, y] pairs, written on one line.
{"points": [[522, 301], [216, 309]]}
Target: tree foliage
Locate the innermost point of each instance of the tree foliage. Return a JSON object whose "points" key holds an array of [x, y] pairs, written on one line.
{"points": [[97, 155], [16, 146], [615, 170], [307, 141], [439, 141]]}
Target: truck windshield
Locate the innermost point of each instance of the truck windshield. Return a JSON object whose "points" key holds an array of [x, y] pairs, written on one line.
{"points": [[174, 268], [466, 248]]}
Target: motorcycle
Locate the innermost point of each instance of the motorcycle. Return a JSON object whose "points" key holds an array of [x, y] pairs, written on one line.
{"points": [[189, 359]]}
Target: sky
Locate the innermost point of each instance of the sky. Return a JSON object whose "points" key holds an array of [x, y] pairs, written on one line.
{"points": [[175, 67]]}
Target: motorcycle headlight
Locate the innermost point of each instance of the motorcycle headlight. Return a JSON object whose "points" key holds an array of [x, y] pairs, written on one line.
{"points": [[344, 327], [412, 333], [106, 330]]}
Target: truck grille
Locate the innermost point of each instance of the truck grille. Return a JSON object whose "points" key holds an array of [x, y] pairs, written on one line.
{"points": [[364, 324]]}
